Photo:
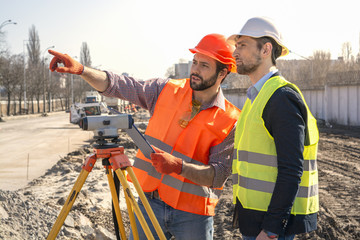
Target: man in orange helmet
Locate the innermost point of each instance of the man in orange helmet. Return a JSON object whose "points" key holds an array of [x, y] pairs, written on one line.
{"points": [[192, 130]]}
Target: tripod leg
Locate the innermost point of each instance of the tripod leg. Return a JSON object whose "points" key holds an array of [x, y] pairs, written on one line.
{"points": [[131, 214], [86, 169], [68, 204], [146, 203], [133, 202], [115, 203]]}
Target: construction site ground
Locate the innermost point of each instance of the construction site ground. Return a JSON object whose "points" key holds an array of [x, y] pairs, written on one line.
{"points": [[30, 212]]}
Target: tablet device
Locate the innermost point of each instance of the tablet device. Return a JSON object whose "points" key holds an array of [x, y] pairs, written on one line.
{"points": [[140, 141]]}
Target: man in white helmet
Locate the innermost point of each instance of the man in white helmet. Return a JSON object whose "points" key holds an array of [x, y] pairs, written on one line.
{"points": [[275, 179]]}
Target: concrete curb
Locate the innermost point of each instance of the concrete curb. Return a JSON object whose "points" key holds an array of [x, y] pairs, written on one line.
{"points": [[27, 116]]}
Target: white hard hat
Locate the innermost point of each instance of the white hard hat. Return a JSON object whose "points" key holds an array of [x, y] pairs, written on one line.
{"points": [[260, 27]]}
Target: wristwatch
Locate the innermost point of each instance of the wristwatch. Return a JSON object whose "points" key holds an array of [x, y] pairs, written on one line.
{"points": [[271, 235]]}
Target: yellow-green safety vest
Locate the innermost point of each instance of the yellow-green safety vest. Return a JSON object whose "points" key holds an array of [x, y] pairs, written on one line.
{"points": [[254, 165]]}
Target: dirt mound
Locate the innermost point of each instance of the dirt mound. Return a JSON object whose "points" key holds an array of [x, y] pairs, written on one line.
{"points": [[339, 188], [29, 213]]}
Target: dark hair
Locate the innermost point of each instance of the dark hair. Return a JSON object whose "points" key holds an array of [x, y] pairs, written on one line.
{"points": [[276, 48], [220, 66]]}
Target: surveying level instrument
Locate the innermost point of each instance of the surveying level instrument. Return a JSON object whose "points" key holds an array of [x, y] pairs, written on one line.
{"points": [[113, 158]]}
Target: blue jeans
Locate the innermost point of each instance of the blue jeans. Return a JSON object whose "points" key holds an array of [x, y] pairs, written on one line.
{"points": [[290, 237], [177, 223]]}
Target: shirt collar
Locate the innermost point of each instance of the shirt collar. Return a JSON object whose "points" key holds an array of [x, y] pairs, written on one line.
{"points": [[219, 101], [254, 90]]}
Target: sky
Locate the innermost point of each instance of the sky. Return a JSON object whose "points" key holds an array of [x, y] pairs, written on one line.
{"points": [[145, 38]]}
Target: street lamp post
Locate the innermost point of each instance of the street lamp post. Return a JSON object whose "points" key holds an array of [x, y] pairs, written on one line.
{"points": [[44, 90], [25, 103], [7, 22], [50, 107], [72, 86], [72, 89]]}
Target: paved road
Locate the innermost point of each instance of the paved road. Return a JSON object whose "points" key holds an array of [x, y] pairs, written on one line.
{"points": [[39, 141]]}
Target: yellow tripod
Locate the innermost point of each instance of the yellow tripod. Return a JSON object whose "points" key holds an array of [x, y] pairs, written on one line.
{"points": [[120, 163]]}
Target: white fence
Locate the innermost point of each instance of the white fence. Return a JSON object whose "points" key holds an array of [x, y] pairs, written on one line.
{"points": [[334, 104]]}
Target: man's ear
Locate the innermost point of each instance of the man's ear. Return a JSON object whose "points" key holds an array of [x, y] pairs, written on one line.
{"points": [[267, 48], [223, 72]]}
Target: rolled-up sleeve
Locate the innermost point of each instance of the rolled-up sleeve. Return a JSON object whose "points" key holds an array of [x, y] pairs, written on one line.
{"points": [[221, 159], [141, 93]]}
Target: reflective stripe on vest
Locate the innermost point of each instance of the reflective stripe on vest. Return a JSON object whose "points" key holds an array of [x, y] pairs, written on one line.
{"points": [[268, 187], [255, 160], [192, 144], [269, 160]]}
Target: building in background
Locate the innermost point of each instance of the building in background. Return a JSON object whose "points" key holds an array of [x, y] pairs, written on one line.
{"points": [[182, 70]]}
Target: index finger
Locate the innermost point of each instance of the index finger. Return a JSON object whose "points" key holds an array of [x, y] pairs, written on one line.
{"points": [[157, 150], [56, 54]]}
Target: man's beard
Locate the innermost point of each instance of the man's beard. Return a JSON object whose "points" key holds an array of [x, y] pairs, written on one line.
{"points": [[250, 68], [203, 85]]}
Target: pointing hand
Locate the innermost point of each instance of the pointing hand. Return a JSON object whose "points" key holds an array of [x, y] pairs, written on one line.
{"points": [[71, 65]]}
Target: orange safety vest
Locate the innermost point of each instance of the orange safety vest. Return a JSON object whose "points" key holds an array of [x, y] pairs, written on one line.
{"points": [[192, 144]]}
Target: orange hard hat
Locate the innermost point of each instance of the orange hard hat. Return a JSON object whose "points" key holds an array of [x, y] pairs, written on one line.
{"points": [[215, 46]]}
